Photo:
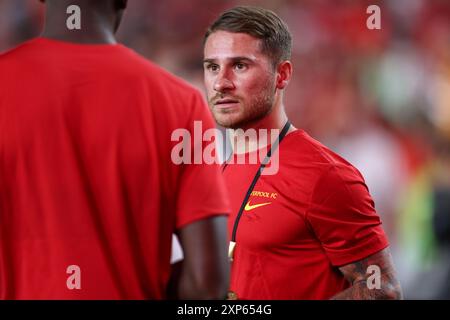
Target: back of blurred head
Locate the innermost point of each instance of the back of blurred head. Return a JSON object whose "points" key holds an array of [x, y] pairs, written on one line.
{"points": [[100, 19]]}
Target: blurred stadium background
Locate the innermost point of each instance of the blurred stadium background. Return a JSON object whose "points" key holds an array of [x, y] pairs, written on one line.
{"points": [[381, 98]]}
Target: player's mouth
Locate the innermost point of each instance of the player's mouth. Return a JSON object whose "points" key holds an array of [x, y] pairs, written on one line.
{"points": [[226, 103]]}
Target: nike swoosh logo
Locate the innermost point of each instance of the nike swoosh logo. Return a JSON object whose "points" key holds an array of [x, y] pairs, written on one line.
{"points": [[249, 207]]}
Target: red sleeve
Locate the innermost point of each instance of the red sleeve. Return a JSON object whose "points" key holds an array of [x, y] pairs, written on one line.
{"points": [[343, 217], [201, 192]]}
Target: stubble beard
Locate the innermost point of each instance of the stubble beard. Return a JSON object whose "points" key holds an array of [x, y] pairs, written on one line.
{"points": [[254, 110]]}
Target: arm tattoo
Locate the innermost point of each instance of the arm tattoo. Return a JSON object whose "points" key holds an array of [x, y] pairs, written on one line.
{"points": [[357, 274]]}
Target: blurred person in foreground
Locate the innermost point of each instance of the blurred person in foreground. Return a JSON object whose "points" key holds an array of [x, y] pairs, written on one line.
{"points": [[309, 231], [89, 196]]}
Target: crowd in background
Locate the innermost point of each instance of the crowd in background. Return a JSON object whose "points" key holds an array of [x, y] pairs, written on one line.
{"points": [[380, 98]]}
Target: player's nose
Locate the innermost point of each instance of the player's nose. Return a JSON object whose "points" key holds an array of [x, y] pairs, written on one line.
{"points": [[223, 82]]}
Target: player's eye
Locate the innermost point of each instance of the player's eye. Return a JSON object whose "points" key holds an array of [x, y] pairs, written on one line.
{"points": [[240, 66], [212, 67]]}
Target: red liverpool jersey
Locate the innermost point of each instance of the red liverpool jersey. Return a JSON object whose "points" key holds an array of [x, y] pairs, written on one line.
{"points": [[300, 224]]}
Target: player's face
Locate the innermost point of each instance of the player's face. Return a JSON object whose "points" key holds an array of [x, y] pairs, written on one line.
{"points": [[239, 79]]}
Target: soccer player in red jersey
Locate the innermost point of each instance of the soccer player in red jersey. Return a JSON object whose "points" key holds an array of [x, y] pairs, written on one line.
{"points": [[310, 231], [89, 196]]}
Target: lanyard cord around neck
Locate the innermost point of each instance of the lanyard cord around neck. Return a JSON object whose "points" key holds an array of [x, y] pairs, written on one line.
{"points": [[252, 185]]}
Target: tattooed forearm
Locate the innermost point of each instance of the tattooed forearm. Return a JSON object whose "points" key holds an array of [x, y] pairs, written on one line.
{"points": [[357, 274], [360, 291]]}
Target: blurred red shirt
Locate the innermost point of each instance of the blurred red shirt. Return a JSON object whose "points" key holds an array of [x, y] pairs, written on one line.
{"points": [[86, 177]]}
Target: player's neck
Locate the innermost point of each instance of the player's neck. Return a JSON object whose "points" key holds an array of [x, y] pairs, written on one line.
{"points": [[94, 30], [81, 39], [260, 133]]}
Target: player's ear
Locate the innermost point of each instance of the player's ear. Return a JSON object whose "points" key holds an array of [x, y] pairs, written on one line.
{"points": [[284, 74]]}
